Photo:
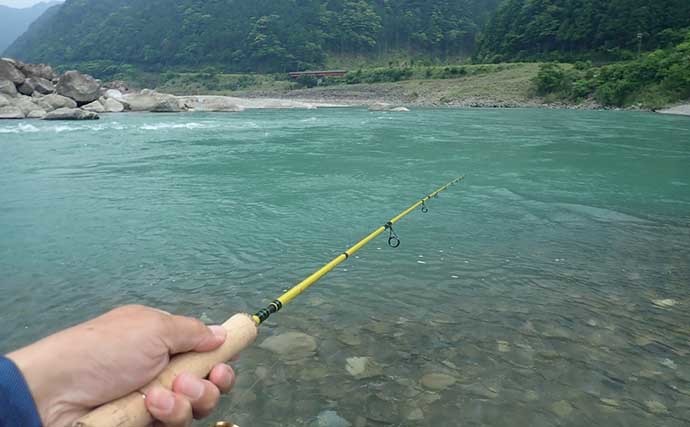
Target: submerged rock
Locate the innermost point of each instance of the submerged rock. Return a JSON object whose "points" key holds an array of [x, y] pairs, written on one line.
{"points": [[383, 411], [664, 303], [80, 87], [291, 345], [562, 408], [362, 367], [656, 407], [437, 381], [330, 419], [71, 114]]}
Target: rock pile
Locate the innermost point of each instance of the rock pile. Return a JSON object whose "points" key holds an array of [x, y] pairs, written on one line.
{"points": [[35, 91]]}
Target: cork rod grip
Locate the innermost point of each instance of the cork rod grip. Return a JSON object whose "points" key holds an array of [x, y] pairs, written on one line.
{"points": [[130, 411]]}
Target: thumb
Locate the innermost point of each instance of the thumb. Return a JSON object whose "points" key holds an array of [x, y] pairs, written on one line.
{"points": [[183, 334]]}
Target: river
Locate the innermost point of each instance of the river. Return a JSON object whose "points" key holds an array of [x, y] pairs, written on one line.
{"points": [[551, 287]]}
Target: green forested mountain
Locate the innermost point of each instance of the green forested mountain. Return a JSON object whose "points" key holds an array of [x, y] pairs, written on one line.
{"points": [[576, 29], [254, 35]]}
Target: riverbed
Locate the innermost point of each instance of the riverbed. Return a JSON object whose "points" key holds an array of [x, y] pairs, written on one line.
{"points": [[551, 287]]}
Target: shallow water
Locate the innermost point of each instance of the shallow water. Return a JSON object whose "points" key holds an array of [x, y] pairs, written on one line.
{"points": [[532, 285]]}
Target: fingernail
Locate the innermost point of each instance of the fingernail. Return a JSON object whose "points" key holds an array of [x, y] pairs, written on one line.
{"points": [[162, 400], [218, 331], [191, 387]]}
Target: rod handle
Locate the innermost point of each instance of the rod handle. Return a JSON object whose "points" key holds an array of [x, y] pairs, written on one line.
{"points": [[130, 410]]}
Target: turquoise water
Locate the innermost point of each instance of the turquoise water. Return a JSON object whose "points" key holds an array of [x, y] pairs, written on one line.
{"points": [[537, 286]]}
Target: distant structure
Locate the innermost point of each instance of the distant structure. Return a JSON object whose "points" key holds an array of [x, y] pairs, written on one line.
{"points": [[317, 74]]}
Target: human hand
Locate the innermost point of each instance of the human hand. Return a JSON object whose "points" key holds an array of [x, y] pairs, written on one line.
{"points": [[96, 362]]}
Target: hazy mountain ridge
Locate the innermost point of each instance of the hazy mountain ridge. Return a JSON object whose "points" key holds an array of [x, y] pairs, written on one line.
{"points": [[15, 21]]}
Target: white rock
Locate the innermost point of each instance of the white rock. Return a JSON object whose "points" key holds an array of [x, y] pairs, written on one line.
{"points": [[664, 303], [400, 110], [112, 105], [11, 112], [362, 367], [8, 88], [113, 94], [291, 345], [54, 101], [330, 419], [437, 381], [95, 106], [36, 114]]}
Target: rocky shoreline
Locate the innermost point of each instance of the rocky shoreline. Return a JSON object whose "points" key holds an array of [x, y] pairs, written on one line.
{"points": [[35, 91]]}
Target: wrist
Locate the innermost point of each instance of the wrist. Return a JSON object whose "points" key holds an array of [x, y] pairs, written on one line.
{"points": [[40, 374]]}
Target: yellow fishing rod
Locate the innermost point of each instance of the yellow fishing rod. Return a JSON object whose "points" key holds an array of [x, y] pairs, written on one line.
{"points": [[393, 241], [242, 330]]}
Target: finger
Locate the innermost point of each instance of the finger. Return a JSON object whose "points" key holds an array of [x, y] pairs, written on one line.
{"points": [[203, 395], [223, 376], [182, 334], [171, 409]]}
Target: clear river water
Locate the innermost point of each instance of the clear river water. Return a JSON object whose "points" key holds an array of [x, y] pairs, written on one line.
{"points": [[551, 288]]}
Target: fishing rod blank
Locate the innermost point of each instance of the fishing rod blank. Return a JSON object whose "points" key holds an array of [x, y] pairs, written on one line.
{"points": [[242, 329]]}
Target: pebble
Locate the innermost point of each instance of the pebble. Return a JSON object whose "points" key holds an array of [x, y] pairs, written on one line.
{"points": [[291, 345], [656, 407], [503, 346], [610, 402], [669, 363], [593, 323], [562, 408], [437, 381], [330, 419], [664, 303], [349, 338], [415, 414], [380, 410], [362, 367]]}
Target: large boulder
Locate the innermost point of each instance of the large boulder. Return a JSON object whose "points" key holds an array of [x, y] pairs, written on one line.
{"points": [[80, 87], [42, 71], [9, 71], [37, 84], [4, 101], [95, 106], [114, 94], [112, 106], [71, 114], [148, 100], [11, 112], [54, 101], [8, 88], [26, 104], [36, 114]]}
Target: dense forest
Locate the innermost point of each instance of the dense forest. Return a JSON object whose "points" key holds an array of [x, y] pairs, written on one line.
{"points": [[250, 35], [577, 29]]}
